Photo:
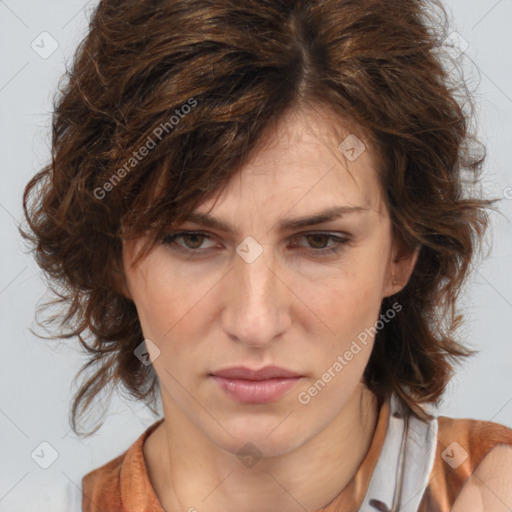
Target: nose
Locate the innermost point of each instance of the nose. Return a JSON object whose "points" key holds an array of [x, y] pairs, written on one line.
{"points": [[257, 302]]}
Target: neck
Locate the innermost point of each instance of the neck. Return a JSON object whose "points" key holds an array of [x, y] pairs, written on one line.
{"points": [[188, 471]]}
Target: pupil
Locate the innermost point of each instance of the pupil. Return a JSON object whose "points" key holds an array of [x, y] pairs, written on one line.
{"points": [[193, 236], [316, 237]]}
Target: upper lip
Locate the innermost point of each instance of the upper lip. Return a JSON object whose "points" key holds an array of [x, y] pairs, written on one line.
{"points": [[267, 372]]}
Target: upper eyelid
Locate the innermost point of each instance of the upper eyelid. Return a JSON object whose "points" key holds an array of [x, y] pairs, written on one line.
{"points": [[334, 234]]}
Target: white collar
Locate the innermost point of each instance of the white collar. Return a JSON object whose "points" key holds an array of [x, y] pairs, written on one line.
{"points": [[408, 451]]}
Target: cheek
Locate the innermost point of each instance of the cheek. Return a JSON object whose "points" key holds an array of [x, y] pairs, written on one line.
{"points": [[349, 304], [172, 309], [165, 297], [156, 306], [355, 292]]}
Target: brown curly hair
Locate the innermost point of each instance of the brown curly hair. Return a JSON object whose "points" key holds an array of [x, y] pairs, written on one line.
{"points": [[198, 84]]}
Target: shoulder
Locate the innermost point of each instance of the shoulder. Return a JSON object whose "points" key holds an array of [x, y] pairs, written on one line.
{"points": [[103, 485], [121, 481], [473, 466], [477, 435], [490, 485]]}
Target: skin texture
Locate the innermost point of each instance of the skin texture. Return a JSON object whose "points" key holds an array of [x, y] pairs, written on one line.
{"points": [[289, 307], [490, 486]]}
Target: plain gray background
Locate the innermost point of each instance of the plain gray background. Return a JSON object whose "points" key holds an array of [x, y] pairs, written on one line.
{"points": [[36, 375]]}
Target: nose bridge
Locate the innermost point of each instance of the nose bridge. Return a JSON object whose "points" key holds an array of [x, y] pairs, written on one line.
{"points": [[256, 312], [257, 281]]}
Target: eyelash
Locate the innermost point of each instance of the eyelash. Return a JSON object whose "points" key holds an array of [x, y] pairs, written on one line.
{"points": [[335, 249]]}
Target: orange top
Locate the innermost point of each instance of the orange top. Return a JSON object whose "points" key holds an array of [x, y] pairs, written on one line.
{"points": [[123, 485]]}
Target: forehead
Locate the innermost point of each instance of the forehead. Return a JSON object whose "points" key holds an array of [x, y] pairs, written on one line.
{"points": [[311, 159]]}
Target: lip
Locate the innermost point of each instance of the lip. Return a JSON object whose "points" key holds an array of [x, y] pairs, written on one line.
{"points": [[261, 386], [267, 372]]}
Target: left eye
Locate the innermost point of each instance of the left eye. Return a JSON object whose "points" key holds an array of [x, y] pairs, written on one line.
{"points": [[193, 241], [321, 239]]}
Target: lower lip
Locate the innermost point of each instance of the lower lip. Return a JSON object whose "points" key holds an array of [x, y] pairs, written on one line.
{"points": [[256, 391]]}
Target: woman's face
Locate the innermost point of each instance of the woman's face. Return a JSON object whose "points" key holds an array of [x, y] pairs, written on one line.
{"points": [[265, 292]]}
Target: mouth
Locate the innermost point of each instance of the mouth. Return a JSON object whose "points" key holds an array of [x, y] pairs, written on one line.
{"points": [[248, 386]]}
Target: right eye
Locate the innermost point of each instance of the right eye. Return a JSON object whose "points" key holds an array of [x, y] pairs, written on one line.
{"points": [[192, 240]]}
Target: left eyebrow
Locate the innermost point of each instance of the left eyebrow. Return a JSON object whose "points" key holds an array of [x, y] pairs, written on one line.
{"points": [[210, 221], [319, 217]]}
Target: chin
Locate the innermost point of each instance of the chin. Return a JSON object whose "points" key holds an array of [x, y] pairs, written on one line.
{"points": [[265, 439]]}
